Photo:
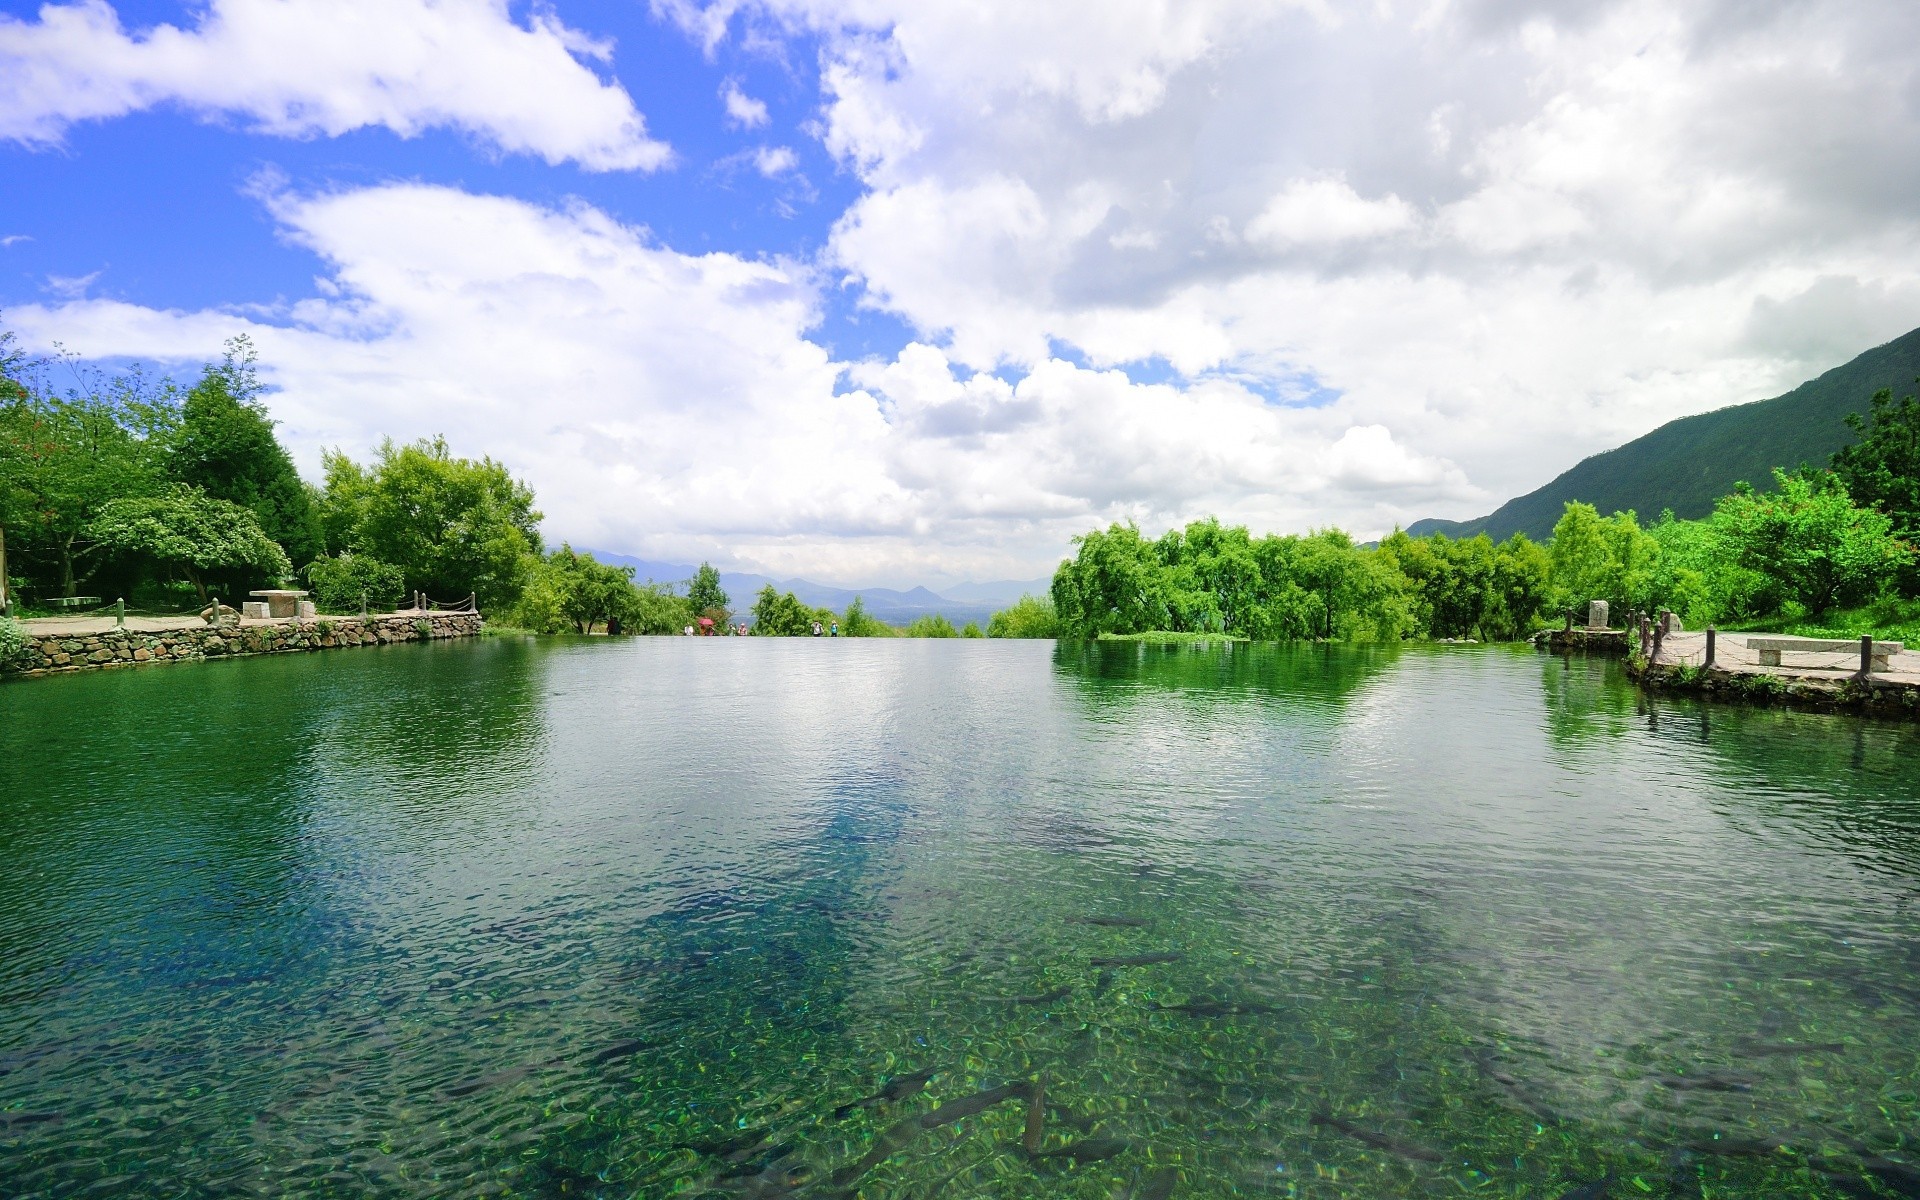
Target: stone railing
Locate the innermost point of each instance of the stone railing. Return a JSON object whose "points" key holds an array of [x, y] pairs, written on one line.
{"points": [[51, 652]]}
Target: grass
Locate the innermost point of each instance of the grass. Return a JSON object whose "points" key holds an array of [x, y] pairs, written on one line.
{"points": [[1891, 619]]}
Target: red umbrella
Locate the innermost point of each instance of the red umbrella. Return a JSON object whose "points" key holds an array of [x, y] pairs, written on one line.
{"points": [[706, 620]]}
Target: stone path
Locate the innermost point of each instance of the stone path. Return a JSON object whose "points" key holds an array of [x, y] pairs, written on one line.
{"points": [[100, 623], [1730, 654]]}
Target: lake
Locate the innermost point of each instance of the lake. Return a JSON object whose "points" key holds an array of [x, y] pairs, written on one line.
{"points": [[662, 917]]}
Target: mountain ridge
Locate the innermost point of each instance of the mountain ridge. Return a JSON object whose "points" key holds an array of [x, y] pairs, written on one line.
{"points": [[1688, 463]]}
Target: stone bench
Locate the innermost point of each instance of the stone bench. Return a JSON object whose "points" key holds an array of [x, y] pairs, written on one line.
{"points": [[1770, 649], [74, 601]]}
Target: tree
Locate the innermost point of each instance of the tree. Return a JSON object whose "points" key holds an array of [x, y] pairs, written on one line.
{"points": [[453, 526], [1114, 583], [342, 583], [1819, 548], [931, 626], [705, 594], [971, 630], [777, 614], [860, 623], [186, 528], [1599, 558], [1029, 617], [226, 447], [64, 456], [1882, 469]]}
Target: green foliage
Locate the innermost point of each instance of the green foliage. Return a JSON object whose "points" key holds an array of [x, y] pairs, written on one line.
{"points": [[342, 582], [1598, 558], [1029, 617], [971, 630], [706, 596], [64, 455], [1210, 578], [780, 614], [184, 527], [13, 635], [573, 592], [1810, 541], [931, 626], [860, 623], [1882, 470], [226, 447], [1470, 587], [453, 526]]}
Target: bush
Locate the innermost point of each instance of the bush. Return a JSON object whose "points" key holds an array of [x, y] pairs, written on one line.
{"points": [[13, 639], [340, 581], [1030, 617], [935, 626], [971, 629]]}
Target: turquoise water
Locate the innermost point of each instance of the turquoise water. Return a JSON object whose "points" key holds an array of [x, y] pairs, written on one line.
{"points": [[647, 918]]}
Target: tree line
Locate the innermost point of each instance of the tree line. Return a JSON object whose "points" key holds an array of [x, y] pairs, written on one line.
{"points": [[1821, 541]]}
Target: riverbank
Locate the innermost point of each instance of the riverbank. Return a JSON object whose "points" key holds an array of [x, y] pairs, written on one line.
{"points": [[62, 645], [1819, 677]]}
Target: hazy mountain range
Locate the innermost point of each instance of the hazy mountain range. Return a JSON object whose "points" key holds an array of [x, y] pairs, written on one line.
{"points": [[1687, 464], [959, 603]]}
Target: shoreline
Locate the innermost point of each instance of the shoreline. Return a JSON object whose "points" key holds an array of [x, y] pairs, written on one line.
{"points": [[64, 652]]}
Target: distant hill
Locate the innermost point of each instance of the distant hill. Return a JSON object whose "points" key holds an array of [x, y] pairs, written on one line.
{"points": [[888, 604], [1687, 464]]}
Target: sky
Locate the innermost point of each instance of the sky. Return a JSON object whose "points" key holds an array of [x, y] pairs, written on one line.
{"points": [[903, 291]]}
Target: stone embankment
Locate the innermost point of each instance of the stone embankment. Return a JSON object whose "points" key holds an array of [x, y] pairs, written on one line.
{"points": [[47, 653], [1812, 673]]}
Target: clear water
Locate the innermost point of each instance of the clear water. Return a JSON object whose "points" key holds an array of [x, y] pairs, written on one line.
{"points": [[636, 919]]}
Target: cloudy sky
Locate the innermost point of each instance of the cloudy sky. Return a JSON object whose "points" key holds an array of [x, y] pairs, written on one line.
{"points": [[894, 291]]}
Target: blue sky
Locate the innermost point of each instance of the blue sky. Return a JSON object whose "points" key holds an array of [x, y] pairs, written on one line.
{"points": [[947, 282]]}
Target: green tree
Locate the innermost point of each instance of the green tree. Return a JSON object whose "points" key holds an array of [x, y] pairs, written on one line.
{"points": [[65, 455], [342, 583], [453, 526], [225, 446], [1882, 469], [705, 594], [781, 614], [1114, 583], [1809, 538], [589, 592], [1599, 558], [931, 626], [860, 623], [1028, 617], [655, 609], [1356, 592], [971, 630], [186, 528]]}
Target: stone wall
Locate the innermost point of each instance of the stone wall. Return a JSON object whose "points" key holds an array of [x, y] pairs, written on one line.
{"points": [[48, 653]]}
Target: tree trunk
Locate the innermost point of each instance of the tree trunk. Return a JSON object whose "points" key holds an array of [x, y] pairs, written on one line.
{"points": [[198, 584], [66, 567], [3, 570]]}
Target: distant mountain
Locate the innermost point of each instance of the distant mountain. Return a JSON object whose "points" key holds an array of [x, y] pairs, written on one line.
{"points": [[1000, 593], [1686, 465], [888, 604]]}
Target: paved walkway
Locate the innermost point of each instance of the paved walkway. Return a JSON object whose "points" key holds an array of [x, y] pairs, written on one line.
{"points": [[1730, 654], [101, 623]]}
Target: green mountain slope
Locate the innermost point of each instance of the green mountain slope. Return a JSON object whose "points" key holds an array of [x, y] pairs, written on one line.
{"points": [[1687, 464]]}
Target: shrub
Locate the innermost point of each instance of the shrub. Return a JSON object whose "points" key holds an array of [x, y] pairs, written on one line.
{"points": [[13, 639], [339, 582], [934, 626], [1030, 617]]}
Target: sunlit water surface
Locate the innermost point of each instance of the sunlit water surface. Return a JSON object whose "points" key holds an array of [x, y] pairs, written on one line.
{"points": [[639, 918]]}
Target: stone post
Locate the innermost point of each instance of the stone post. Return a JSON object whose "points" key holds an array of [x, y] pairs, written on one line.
{"points": [[1708, 662], [1866, 656], [1597, 614], [120, 613]]}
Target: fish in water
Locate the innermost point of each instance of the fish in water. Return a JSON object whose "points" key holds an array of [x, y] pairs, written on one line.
{"points": [[1217, 1008], [1597, 1190], [624, 1048], [892, 1091], [10, 1121], [732, 1149], [1779, 1049], [1035, 1135], [1059, 993], [1705, 1082], [468, 1087], [1140, 960], [1117, 921], [966, 1106], [1379, 1141], [892, 1140], [1737, 1147], [1088, 1150], [1158, 1186]]}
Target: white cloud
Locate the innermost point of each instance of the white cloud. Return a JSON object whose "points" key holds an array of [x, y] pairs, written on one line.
{"points": [[301, 68], [775, 161], [672, 404], [1317, 211], [743, 111]]}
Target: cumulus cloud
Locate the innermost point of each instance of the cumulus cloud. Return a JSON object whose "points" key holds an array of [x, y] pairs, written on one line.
{"points": [[775, 161], [302, 68], [1512, 233], [743, 111], [673, 404]]}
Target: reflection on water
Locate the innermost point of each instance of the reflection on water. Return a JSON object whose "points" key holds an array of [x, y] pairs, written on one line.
{"points": [[672, 917]]}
